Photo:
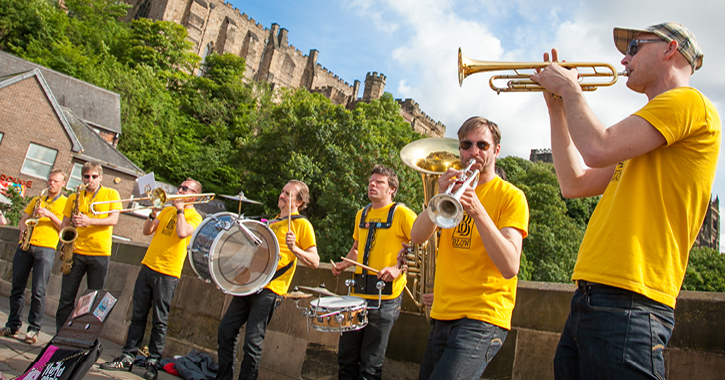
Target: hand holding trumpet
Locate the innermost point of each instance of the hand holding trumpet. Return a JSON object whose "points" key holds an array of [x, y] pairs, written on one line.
{"points": [[557, 79]]}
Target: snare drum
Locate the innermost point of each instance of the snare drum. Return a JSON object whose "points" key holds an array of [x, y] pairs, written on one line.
{"points": [[221, 252], [338, 314]]}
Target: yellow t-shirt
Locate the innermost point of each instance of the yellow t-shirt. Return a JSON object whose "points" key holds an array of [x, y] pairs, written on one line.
{"points": [[166, 253], [467, 283], [45, 234], [385, 244], [304, 238], [94, 240], [639, 236]]}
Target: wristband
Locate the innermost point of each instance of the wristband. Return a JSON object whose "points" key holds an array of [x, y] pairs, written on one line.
{"points": [[152, 216], [179, 212]]}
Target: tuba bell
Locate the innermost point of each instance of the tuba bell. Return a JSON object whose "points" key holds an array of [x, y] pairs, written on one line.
{"points": [[431, 157]]}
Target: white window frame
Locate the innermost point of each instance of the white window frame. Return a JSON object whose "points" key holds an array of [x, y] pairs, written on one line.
{"points": [[38, 161], [74, 181]]}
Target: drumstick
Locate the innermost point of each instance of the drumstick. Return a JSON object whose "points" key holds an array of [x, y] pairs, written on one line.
{"points": [[360, 265], [333, 264], [289, 213], [410, 294]]}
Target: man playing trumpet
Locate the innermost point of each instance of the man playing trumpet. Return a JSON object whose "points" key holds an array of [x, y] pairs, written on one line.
{"points": [[38, 258], [156, 282], [382, 227], [655, 170], [478, 260], [92, 247]]}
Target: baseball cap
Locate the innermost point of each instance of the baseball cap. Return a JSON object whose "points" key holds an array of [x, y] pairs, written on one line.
{"points": [[669, 31]]}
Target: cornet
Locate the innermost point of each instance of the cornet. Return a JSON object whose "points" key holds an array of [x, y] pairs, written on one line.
{"points": [[158, 198], [591, 75], [445, 210]]}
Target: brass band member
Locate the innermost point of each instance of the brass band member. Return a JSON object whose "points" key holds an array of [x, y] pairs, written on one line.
{"points": [[38, 258], [157, 280], [256, 310], [382, 227], [92, 247], [655, 170], [475, 279]]}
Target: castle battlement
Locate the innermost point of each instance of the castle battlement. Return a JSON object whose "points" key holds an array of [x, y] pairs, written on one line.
{"points": [[374, 75]]}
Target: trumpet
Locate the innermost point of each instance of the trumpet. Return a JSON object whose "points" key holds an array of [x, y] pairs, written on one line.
{"points": [[445, 210], [591, 75], [158, 198]]}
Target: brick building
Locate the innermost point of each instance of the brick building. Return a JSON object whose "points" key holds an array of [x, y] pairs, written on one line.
{"points": [[216, 26], [38, 134]]}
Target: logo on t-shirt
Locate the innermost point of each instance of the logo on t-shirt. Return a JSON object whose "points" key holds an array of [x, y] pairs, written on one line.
{"points": [[618, 172], [462, 233], [169, 227]]}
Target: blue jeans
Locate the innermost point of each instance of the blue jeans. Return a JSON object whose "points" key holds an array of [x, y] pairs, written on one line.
{"points": [[361, 353], [613, 333], [460, 349], [256, 311], [97, 269], [152, 289], [39, 260]]}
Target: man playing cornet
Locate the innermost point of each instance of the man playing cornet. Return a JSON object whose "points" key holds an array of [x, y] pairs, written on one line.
{"points": [[38, 258], [655, 170], [92, 247], [478, 260], [156, 281]]}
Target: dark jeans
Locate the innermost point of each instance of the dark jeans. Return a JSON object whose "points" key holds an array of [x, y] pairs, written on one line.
{"points": [[97, 269], [39, 260], [460, 349], [152, 289], [361, 353], [256, 311], [613, 333]]}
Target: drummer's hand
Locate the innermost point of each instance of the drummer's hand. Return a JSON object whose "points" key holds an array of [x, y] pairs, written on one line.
{"points": [[389, 274], [402, 256], [338, 268], [290, 239], [428, 300]]}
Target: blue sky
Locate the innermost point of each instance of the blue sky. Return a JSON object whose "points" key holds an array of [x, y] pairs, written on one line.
{"points": [[415, 43]]}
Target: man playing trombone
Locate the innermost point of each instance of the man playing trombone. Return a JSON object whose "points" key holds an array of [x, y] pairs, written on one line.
{"points": [[478, 260], [655, 170], [296, 242], [383, 226], [47, 213], [156, 282], [92, 246]]}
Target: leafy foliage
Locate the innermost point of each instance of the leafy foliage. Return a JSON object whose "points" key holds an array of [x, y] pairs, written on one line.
{"points": [[14, 211], [705, 271]]}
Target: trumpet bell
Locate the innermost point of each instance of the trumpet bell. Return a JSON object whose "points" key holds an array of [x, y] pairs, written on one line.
{"points": [[445, 211]]}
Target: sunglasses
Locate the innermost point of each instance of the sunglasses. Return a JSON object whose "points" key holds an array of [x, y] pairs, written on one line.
{"points": [[634, 45], [186, 188], [467, 144], [89, 176]]}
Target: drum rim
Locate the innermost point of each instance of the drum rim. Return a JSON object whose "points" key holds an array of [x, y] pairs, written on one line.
{"points": [[358, 302]]}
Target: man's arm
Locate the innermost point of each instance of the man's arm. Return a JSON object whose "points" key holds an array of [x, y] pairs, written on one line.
{"points": [[21, 223], [503, 246], [149, 225], [83, 220], [342, 265]]}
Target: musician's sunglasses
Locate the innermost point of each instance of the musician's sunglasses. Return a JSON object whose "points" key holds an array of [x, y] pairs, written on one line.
{"points": [[89, 176], [634, 45], [467, 144], [186, 188]]}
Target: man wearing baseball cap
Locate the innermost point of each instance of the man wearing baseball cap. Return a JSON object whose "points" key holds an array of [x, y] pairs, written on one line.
{"points": [[655, 171]]}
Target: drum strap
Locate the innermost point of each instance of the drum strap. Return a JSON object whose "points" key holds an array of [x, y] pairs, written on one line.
{"points": [[361, 283], [285, 268]]}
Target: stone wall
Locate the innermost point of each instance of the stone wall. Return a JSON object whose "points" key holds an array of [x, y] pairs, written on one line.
{"points": [[696, 350]]}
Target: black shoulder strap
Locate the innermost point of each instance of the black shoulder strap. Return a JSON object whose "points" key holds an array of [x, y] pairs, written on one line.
{"points": [[283, 270], [372, 227]]}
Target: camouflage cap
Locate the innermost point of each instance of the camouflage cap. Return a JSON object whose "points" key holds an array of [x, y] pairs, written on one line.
{"points": [[669, 31]]}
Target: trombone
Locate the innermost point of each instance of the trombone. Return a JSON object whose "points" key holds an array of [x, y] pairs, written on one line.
{"points": [[519, 81], [158, 198]]}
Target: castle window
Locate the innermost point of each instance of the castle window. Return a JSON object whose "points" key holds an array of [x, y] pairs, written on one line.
{"points": [[207, 50], [143, 10], [38, 161]]}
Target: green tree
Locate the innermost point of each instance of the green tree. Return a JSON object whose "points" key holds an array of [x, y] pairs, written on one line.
{"points": [[14, 211], [705, 270]]}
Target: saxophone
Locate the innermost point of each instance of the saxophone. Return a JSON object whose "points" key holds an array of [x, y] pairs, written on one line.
{"points": [[68, 235], [31, 222]]}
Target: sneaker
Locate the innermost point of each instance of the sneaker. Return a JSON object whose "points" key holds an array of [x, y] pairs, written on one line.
{"points": [[5, 331], [31, 337], [151, 371], [123, 362]]}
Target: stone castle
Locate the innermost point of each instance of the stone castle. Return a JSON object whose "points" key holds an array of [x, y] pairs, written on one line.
{"points": [[216, 26]]}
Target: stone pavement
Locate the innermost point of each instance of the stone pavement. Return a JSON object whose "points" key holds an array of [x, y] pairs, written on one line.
{"points": [[16, 355]]}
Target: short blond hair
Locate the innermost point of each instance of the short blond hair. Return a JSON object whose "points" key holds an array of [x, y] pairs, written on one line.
{"points": [[57, 171], [303, 193], [88, 166]]}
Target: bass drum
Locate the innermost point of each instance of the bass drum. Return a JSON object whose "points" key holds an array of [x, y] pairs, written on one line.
{"points": [[220, 252]]}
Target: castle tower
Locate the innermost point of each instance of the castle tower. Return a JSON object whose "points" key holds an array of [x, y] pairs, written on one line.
{"points": [[374, 86]]}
